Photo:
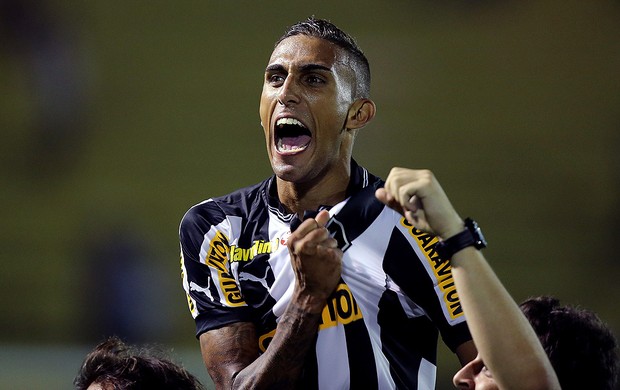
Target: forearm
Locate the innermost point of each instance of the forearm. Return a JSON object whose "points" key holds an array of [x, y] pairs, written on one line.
{"points": [[281, 364], [317, 263], [504, 338]]}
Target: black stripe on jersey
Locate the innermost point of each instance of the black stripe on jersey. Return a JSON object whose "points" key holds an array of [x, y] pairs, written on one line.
{"points": [[400, 339], [355, 216], [362, 365], [401, 265], [309, 378], [195, 223], [255, 276]]}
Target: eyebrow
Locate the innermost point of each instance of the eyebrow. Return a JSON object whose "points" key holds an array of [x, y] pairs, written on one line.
{"points": [[303, 68]]}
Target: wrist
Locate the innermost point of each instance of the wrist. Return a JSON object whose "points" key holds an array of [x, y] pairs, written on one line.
{"points": [[452, 230], [308, 302], [469, 236]]}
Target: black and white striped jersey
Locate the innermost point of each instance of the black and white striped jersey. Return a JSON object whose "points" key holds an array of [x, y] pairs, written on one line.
{"points": [[380, 327]]}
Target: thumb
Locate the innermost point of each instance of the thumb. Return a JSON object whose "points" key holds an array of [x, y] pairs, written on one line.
{"points": [[322, 217], [382, 195]]}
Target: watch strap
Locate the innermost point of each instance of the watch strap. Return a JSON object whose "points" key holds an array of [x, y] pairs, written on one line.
{"points": [[470, 236]]}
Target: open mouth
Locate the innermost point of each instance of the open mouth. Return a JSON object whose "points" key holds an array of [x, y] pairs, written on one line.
{"points": [[291, 136]]}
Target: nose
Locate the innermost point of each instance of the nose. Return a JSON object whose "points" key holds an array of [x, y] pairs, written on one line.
{"points": [[464, 378], [289, 92]]}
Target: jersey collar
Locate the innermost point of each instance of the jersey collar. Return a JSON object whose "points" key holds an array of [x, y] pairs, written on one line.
{"points": [[359, 179]]}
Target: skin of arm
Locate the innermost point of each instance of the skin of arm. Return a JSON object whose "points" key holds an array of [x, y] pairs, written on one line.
{"points": [[231, 353], [503, 336]]}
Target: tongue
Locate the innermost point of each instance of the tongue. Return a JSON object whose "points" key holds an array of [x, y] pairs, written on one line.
{"points": [[295, 142]]}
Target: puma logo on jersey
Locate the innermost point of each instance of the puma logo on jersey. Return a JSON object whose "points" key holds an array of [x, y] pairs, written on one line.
{"points": [[205, 290], [246, 276]]}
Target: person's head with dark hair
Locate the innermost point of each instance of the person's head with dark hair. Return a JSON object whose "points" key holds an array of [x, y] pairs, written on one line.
{"points": [[315, 99], [323, 29], [114, 365], [582, 349]]}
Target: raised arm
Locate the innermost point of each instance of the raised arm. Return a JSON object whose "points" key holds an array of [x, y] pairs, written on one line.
{"points": [[231, 353], [505, 340]]}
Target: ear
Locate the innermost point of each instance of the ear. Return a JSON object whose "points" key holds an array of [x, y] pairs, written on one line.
{"points": [[360, 113]]}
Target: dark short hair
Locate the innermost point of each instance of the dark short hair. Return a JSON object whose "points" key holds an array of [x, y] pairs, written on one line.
{"points": [[320, 28], [114, 364], [582, 349]]}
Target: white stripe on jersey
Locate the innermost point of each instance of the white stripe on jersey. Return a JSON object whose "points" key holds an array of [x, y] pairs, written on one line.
{"points": [[331, 351], [284, 284], [363, 273], [228, 228], [427, 371], [235, 232]]}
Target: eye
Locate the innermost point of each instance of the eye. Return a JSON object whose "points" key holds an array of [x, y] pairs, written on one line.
{"points": [[486, 372], [275, 79], [314, 79]]}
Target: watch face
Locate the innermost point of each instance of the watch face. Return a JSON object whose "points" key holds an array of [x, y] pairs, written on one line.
{"points": [[480, 238], [472, 225]]}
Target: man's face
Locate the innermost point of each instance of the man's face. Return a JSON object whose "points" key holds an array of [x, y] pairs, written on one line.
{"points": [[306, 95], [475, 375]]}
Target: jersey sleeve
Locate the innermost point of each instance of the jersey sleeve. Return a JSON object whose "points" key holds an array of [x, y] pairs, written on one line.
{"points": [[213, 294], [428, 281]]}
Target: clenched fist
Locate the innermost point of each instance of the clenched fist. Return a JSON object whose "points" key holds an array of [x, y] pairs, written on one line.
{"points": [[316, 259]]}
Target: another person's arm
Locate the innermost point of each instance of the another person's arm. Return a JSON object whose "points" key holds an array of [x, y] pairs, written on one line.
{"points": [[503, 336], [231, 353]]}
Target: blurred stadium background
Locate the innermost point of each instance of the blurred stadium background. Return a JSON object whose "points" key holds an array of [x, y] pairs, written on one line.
{"points": [[117, 116]]}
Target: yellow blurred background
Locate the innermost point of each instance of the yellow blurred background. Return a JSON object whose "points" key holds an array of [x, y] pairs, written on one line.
{"points": [[117, 116]]}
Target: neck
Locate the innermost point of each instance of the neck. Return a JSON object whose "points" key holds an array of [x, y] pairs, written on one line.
{"points": [[326, 190]]}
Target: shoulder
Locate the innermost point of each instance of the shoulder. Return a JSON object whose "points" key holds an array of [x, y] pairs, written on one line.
{"points": [[214, 211], [204, 213], [243, 195], [363, 198]]}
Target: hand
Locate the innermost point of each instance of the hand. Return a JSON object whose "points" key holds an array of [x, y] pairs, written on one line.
{"points": [[316, 259], [417, 195]]}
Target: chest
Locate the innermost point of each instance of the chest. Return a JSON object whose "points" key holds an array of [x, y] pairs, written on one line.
{"points": [[265, 276]]}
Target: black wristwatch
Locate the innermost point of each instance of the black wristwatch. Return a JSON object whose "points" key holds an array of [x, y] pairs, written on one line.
{"points": [[471, 236]]}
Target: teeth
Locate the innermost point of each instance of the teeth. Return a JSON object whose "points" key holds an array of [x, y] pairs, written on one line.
{"points": [[289, 121], [289, 148]]}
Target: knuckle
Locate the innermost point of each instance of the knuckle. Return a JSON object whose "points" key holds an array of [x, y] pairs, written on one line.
{"points": [[403, 193], [426, 174]]}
